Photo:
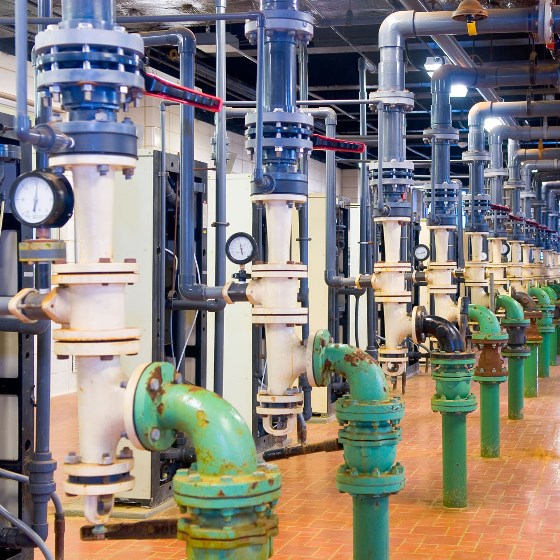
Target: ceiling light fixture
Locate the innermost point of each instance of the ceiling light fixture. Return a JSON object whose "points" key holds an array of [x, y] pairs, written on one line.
{"points": [[432, 64]]}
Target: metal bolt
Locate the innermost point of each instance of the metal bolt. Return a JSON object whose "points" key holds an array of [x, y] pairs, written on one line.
{"points": [[128, 174], [154, 385], [226, 478], [123, 384], [106, 459], [126, 453], [155, 434], [103, 169], [72, 458]]}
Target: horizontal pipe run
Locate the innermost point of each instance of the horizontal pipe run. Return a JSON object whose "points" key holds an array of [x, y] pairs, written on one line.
{"points": [[139, 530], [327, 446], [11, 324]]}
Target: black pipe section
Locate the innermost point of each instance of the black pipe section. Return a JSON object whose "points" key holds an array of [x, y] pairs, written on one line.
{"points": [[526, 301], [446, 333], [140, 530], [286, 452]]}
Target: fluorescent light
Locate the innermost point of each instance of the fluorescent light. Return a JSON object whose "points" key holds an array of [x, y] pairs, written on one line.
{"points": [[458, 90], [492, 122], [432, 64]]}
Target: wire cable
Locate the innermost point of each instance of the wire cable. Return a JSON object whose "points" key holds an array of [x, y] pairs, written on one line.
{"points": [[27, 531]]}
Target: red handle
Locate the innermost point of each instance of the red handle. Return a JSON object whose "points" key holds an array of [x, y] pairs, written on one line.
{"points": [[337, 145], [158, 87]]}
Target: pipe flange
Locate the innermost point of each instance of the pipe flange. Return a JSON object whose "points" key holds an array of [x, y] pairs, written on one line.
{"points": [[376, 483], [545, 23], [476, 155], [97, 349], [350, 410], [489, 173], [403, 99], [291, 21], [450, 134], [16, 304], [453, 406]]}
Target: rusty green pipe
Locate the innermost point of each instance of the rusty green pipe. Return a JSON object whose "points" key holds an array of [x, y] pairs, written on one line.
{"points": [[370, 431], [490, 373], [231, 497], [556, 288], [516, 351], [546, 328]]}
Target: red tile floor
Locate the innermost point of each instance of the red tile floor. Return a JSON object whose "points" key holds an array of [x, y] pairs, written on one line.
{"points": [[514, 501]]}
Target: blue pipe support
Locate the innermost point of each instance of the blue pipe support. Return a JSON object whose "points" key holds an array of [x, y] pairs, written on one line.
{"points": [[229, 497], [370, 432]]}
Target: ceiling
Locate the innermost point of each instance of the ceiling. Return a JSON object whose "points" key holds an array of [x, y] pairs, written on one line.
{"points": [[345, 30]]}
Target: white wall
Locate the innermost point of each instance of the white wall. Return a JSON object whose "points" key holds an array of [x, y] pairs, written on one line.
{"points": [[147, 119]]}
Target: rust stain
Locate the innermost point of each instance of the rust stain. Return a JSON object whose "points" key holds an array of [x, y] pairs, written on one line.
{"points": [[221, 494], [201, 418], [157, 376], [160, 408]]}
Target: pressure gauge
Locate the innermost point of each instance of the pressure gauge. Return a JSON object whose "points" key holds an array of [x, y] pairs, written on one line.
{"points": [[421, 252], [42, 199], [241, 248], [505, 248], [483, 256]]}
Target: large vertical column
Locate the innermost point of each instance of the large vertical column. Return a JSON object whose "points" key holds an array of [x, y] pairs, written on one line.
{"points": [[287, 140], [89, 302]]}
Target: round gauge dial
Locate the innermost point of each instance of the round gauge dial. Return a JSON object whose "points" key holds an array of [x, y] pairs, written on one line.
{"points": [[505, 248], [241, 248], [42, 199], [421, 252], [483, 256]]}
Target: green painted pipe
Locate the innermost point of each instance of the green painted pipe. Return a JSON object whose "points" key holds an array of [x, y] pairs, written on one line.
{"points": [[454, 449], [557, 340], [556, 288], [371, 527], [490, 337], [366, 379], [552, 338], [516, 351], [230, 496], [489, 419], [515, 387], [513, 309], [369, 419], [545, 329], [487, 322], [530, 367]]}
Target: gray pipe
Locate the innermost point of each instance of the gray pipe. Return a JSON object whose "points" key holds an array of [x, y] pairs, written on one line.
{"points": [[527, 168], [221, 197], [366, 240]]}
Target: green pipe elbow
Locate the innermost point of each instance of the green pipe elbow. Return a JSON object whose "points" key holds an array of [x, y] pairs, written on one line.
{"points": [[556, 288], [221, 438], [487, 322], [365, 377], [513, 309], [551, 294], [543, 300]]}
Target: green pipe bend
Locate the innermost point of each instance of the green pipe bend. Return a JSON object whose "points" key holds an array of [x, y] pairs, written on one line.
{"points": [[513, 309], [221, 438], [556, 288], [551, 294], [487, 322], [366, 379], [542, 297]]}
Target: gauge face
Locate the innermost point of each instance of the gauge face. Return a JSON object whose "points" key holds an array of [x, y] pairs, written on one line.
{"points": [[421, 252], [42, 199], [483, 256], [505, 248], [241, 248], [33, 200]]}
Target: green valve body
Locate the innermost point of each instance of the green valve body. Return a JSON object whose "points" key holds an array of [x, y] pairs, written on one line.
{"points": [[453, 373], [369, 418], [229, 497], [546, 328], [530, 367]]}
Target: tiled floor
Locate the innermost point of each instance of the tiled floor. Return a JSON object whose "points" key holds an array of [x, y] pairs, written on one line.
{"points": [[514, 501]]}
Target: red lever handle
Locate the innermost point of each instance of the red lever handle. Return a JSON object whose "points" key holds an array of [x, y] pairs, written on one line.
{"points": [[337, 145], [158, 87]]}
